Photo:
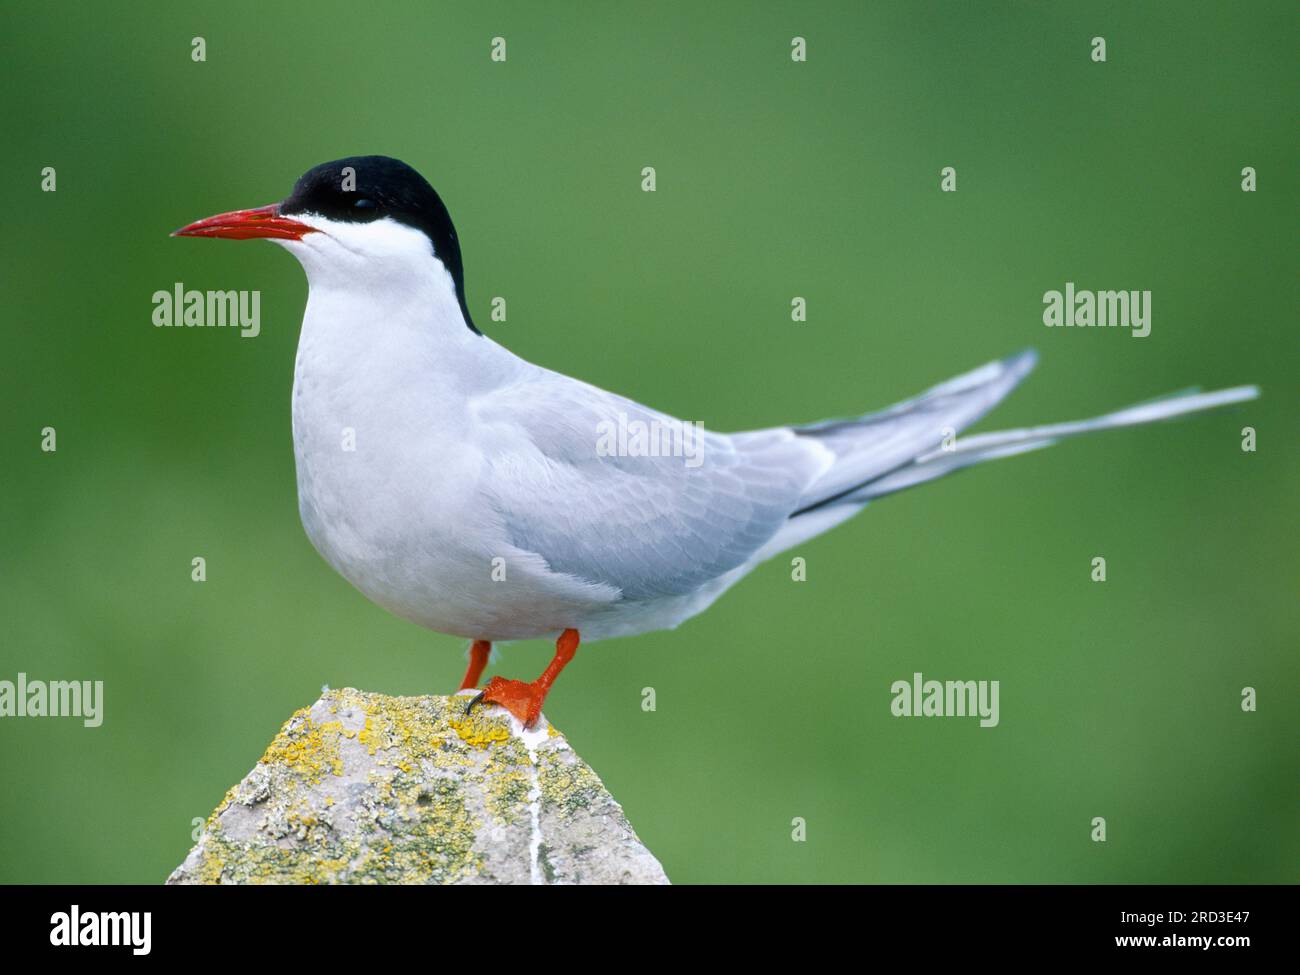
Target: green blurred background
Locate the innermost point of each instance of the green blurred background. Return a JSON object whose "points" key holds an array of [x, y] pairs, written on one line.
{"points": [[775, 179]]}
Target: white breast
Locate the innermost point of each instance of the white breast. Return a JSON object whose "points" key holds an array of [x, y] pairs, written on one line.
{"points": [[389, 461]]}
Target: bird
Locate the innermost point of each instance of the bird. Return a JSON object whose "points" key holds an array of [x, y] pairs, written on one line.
{"points": [[492, 499]]}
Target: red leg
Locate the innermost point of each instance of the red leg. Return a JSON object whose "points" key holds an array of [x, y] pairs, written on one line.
{"points": [[524, 700], [478, 658]]}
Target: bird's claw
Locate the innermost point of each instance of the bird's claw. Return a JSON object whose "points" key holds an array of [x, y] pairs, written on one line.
{"points": [[523, 700], [474, 700]]}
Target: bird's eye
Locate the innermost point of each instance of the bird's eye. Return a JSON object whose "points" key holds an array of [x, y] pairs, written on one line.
{"points": [[364, 204]]}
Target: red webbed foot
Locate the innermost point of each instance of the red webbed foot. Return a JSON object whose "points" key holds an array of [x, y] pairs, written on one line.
{"points": [[524, 699]]}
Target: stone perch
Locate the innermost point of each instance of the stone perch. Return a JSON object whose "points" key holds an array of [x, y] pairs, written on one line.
{"points": [[362, 788]]}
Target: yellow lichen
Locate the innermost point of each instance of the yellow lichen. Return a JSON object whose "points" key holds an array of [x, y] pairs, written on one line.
{"points": [[435, 778], [481, 732], [305, 748]]}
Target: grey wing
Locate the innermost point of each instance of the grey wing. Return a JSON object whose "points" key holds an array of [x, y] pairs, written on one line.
{"points": [[604, 510], [873, 447], [658, 526]]}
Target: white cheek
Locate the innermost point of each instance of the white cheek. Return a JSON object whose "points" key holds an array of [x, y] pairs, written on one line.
{"points": [[359, 272], [380, 249], [378, 238]]}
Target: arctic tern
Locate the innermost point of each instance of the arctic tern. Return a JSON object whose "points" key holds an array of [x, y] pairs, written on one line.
{"points": [[477, 499]]}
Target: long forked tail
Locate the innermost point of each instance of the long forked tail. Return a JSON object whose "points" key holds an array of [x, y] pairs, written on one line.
{"points": [[1005, 443], [916, 441]]}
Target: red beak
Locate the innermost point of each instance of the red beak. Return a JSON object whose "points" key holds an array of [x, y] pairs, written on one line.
{"points": [[247, 224]]}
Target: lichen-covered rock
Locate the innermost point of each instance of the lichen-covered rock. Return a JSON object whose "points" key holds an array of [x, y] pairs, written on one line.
{"points": [[362, 788]]}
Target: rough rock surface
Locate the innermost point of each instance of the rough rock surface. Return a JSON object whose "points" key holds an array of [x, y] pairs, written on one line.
{"points": [[363, 788]]}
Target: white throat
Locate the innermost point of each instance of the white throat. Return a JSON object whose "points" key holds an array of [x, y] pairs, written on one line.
{"points": [[385, 266], [385, 379], [383, 314]]}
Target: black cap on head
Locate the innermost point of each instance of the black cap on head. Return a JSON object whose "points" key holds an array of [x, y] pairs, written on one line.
{"points": [[378, 187]]}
